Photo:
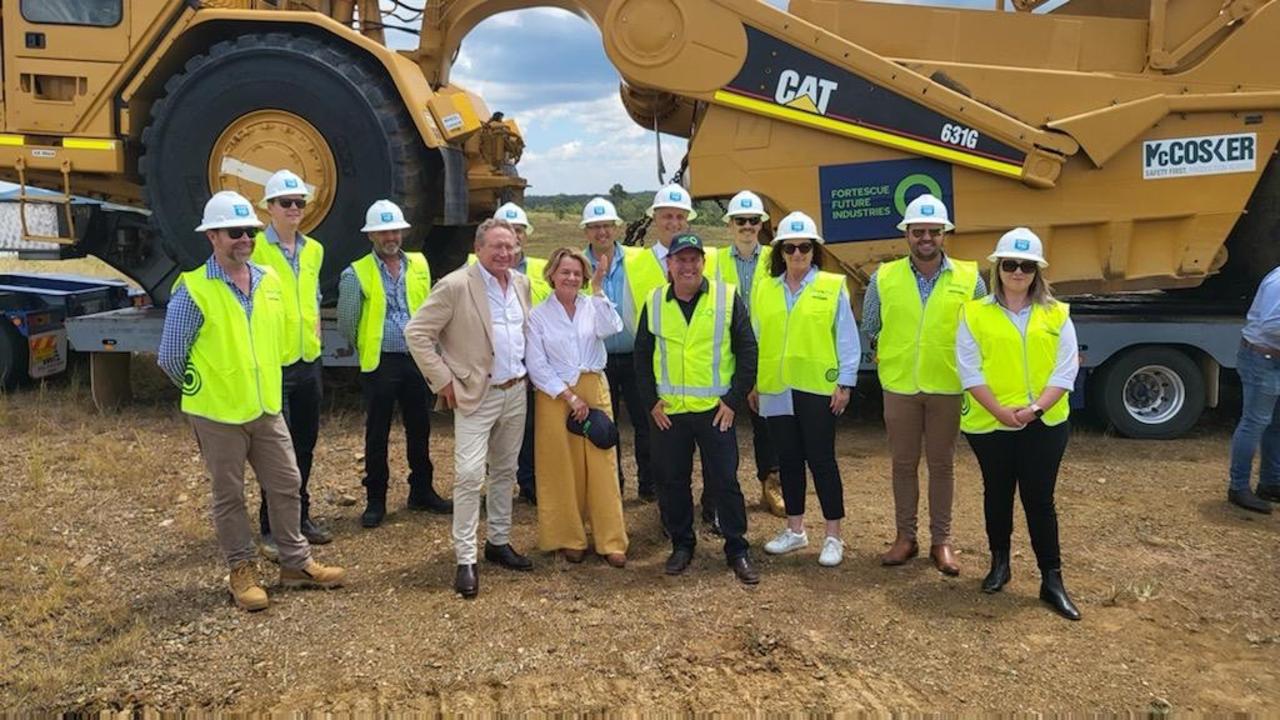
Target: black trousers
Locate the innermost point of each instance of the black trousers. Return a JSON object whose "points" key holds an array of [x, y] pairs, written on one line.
{"points": [[672, 464], [808, 437], [302, 387], [525, 478], [396, 380], [620, 370], [1025, 461]]}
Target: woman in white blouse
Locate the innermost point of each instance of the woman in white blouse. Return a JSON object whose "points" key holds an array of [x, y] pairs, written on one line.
{"points": [[1018, 358], [565, 357]]}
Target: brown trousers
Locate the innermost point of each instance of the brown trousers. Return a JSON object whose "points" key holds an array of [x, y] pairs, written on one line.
{"points": [[266, 445], [931, 423]]}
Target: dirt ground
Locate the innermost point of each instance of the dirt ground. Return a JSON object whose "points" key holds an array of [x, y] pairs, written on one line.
{"points": [[113, 592]]}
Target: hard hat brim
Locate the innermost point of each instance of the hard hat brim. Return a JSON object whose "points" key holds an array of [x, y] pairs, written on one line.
{"points": [[593, 221], [252, 222], [946, 224], [386, 226], [797, 236], [996, 257]]}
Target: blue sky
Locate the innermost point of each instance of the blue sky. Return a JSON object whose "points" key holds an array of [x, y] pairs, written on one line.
{"points": [[547, 69]]}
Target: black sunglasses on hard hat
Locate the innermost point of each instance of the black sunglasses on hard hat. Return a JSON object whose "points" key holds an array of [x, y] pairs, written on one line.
{"points": [[1026, 266], [290, 202], [793, 248], [237, 233], [743, 221]]}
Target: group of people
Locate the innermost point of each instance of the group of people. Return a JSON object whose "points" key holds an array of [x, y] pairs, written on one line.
{"points": [[537, 357]]}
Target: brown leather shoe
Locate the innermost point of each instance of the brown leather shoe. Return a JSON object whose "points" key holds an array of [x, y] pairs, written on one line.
{"points": [[618, 560], [573, 556], [902, 550], [944, 560]]}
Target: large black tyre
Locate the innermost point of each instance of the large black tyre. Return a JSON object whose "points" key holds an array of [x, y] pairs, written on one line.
{"points": [[14, 357], [344, 95], [1149, 393]]}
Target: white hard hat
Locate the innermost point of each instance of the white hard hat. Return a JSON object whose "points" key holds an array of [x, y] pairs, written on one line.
{"points": [[746, 203], [1020, 244], [673, 196], [384, 215], [515, 215], [285, 182], [599, 210], [797, 226], [926, 209], [228, 209]]}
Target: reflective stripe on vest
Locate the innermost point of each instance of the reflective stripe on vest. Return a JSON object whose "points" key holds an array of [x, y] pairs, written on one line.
{"points": [[800, 354], [233, 372], [301, 339], [916, 350], [692, 362], [539, 288], [1017, 369], [644, 273], [373, 311]]}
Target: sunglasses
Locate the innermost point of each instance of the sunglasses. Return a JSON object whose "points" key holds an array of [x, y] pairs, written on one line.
{"points": [[237, 233], [745, 221], [1027, 267], [922, 233], [793, 248], [291, 203]]}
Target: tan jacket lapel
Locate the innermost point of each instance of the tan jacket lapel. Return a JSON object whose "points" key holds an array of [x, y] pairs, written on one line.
{"points": [[480, 298]]}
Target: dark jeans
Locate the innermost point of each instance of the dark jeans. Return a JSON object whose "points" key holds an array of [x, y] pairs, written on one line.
{"points": [[396, 380], [1259, 425], [524, 469], [620, 371], [765, 455], [1027, 461], [808, 436], [302, 387], [672, 465]]}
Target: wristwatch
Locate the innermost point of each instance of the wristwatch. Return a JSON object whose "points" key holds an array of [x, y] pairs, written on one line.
{"points": [[1039, 411]]}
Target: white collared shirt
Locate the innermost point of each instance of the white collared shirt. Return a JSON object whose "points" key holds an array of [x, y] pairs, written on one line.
{"points": [[661, 251], [507, 319], [561, 348]]}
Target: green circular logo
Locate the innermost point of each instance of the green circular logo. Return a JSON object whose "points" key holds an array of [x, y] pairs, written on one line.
{"points": [[964, 404], [191, 382], [910, 181], [833, 374]]}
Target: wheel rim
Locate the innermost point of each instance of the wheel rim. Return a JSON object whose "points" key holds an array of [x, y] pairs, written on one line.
{"points": [[258, 144], [1154, 394]]}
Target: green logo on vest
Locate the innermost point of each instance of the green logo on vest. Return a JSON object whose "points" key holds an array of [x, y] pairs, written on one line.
{"points": [[191, 382], [964, 404], [833, 374]]}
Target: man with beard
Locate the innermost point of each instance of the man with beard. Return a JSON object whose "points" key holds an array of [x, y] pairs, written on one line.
{"points": [[911, 311], [376, 297]]}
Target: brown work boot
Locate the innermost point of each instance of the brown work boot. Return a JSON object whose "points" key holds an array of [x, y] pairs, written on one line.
{"points": [[771, 495], [944, 560], [903, 549], [245, 589], [313, 575]]}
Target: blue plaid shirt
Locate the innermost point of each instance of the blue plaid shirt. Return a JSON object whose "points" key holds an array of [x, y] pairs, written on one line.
{"points": [[617, 290], [871, 301], [351, 301], [183, 320]]}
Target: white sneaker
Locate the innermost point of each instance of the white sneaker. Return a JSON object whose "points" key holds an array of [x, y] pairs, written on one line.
{"points": [[786, 542], [832, 552]]}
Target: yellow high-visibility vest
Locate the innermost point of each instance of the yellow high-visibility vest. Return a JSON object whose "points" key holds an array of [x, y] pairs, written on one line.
{"points": [[725, 269], [1017, 369], [233, 372], [797, 348], [373, 311], [644, 273], [916, 351], [693, 361], [301, 340]]}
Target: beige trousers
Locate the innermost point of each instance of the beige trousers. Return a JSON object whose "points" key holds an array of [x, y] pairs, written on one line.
{"points": [[266, 445], [931, 423], [491, 436], [577, 481]]}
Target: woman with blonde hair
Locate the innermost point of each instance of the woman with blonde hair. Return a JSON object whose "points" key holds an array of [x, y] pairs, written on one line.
{"points": [[1017, 355], [565, 356]]}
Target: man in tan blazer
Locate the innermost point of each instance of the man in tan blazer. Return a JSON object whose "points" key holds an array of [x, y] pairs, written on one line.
{"points": [[468, 339]]}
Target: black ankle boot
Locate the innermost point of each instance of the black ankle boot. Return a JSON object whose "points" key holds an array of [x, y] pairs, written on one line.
{"points": [[1053, 593], [999, 575], [374, 512]]}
